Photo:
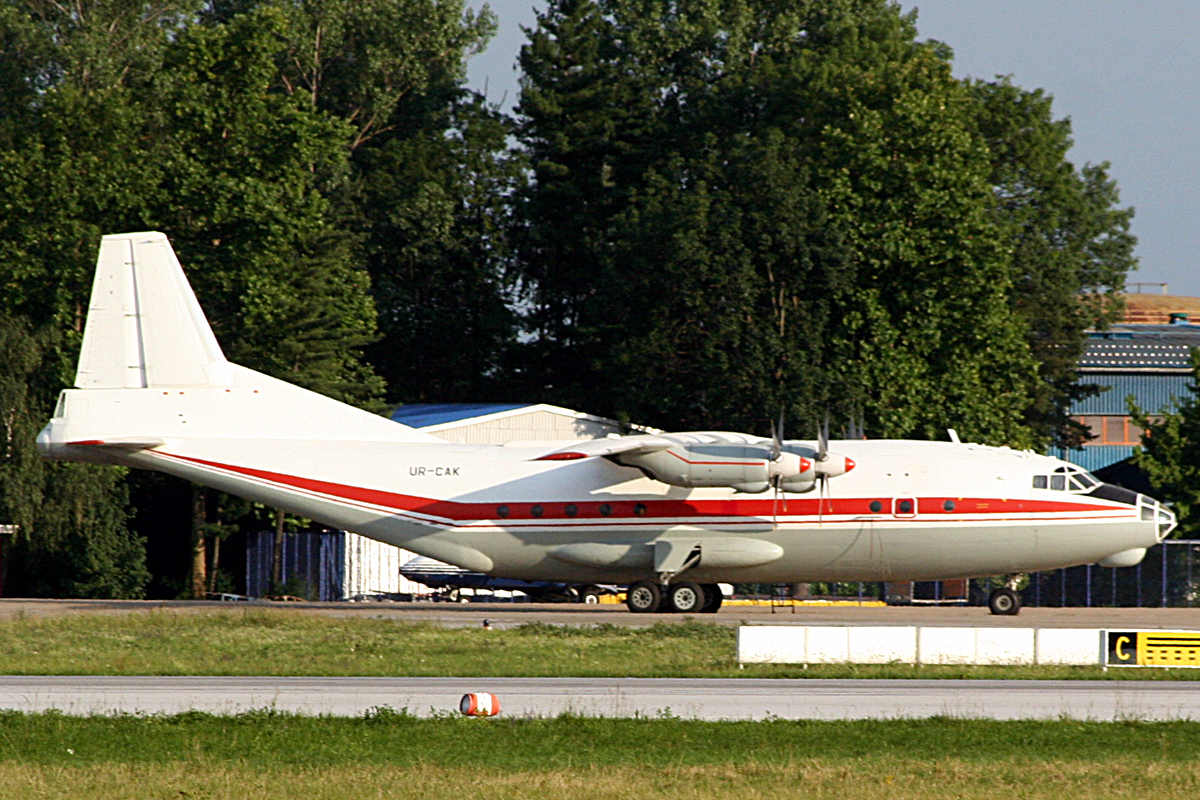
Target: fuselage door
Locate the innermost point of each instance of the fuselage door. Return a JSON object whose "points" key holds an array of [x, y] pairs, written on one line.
{"points": [[904, 507]]}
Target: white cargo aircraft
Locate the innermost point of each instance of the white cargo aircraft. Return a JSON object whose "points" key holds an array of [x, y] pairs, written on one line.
{"points": [[670, 515]]}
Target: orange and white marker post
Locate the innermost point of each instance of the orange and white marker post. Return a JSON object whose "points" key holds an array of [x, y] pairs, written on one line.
{"points": [[479, 704]]}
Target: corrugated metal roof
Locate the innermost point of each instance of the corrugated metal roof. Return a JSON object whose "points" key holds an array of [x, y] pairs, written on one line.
{"points": [[1151, 392], [1096, 456], [423, 415]]}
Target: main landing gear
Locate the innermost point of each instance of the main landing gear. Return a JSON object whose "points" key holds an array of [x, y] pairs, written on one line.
{"points": [[1005, 602], [684, 597]]}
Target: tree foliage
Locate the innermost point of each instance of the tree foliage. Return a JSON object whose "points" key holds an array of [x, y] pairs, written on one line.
{"points": [[740, 206], [1170, 454], [1069, 244], [72, 539]]}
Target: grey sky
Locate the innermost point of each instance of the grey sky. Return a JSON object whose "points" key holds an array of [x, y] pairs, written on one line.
{"points": [[1127, 74]]}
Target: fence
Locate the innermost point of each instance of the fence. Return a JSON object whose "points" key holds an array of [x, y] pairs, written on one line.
{"points": [[313, 564], [1168, 577]]}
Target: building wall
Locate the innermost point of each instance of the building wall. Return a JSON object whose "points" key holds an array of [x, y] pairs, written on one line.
{"points": [[1106, 415], [1151, 391], [373, 567]]}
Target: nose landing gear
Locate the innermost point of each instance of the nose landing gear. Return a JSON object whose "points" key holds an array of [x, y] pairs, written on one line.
{"points": [[1005, 602]]}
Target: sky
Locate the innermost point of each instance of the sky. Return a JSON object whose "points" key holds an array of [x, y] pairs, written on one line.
{"points": [[1127, 74]]}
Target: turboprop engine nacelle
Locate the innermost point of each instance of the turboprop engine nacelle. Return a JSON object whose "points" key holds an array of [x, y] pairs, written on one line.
{"points": [[740, 467]]}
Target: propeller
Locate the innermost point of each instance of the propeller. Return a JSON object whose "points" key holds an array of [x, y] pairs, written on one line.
{"points": [[777, 480], [829, 465], [822, 457]]}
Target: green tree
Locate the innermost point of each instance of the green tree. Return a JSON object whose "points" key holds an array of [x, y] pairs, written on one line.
{"points": [[73, 540], [432, 208], [796, 211], [70, 138], [1068, 242], [127, 116], [1170, 454]]}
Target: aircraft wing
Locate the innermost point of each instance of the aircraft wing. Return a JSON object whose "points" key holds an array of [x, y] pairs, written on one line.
{"points": [[599, 448]]}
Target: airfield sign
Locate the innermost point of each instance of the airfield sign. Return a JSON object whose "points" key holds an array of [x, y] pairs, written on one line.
{"points": [[1153, 649]]}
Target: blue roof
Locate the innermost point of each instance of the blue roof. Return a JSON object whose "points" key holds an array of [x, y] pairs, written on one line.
{"points": [[423, 415], [1149, 348]]}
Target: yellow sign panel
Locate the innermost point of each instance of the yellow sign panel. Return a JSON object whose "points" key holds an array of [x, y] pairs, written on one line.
{"points": [[1154, 648]]}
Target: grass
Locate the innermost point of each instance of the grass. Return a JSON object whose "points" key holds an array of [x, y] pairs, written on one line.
{"points": [[279, 642], [388, 754]]}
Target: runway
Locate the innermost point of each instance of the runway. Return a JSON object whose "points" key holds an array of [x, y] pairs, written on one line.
{"points": [[711, 699]]}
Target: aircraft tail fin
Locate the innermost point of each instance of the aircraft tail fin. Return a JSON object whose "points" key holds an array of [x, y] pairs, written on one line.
{"points": [[144, 326]]}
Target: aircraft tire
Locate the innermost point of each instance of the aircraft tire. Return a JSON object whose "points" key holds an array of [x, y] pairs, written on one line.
{"points": [[589, 595], [643, 597], [686, 597], [712, 598], [1004, 602]]}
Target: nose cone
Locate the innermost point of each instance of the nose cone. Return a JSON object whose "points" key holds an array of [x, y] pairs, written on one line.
{"points": [[834, 465]]}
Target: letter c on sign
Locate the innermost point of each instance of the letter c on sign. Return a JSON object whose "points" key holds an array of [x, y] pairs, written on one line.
{"points": [[1122, 641]]}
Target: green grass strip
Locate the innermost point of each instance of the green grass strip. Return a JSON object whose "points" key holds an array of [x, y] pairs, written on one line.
{"points": [[277, 642], [389, 737]]}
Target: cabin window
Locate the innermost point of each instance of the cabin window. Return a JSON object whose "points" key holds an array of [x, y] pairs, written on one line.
{"points": [[1058, 483], [536, 511], [1040, 481], [502, 511], [876, 506], [948, 505], [639, 509], [572, 510], [605, 509], [904, 506]]}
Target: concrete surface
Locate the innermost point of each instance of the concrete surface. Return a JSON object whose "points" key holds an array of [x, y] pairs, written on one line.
{"points": [[709, 699]]}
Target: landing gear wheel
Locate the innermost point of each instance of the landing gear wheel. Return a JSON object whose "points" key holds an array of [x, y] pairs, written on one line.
{"points": [[712, 598], [589, 595], [686, 597], [1005, 602], [643, 597]]}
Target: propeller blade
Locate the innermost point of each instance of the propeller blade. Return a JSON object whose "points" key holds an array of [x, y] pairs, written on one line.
{"points": [[823, 441], [777, 438]]}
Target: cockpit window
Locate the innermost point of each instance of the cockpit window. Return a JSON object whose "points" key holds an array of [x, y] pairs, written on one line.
{"points": [[1066, 479]]}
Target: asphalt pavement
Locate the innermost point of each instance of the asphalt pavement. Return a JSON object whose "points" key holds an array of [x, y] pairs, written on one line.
{"points": [[503, 615]]}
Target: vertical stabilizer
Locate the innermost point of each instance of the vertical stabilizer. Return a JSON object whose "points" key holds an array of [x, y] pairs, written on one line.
{"points": [[144, 326]]}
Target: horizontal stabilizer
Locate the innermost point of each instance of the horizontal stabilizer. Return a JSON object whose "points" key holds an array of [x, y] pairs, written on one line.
{"points": [[123, 442], [144, 326]]}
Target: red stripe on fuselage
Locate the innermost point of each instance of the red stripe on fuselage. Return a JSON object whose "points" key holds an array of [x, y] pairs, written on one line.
{"points": [[650, 510]]}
